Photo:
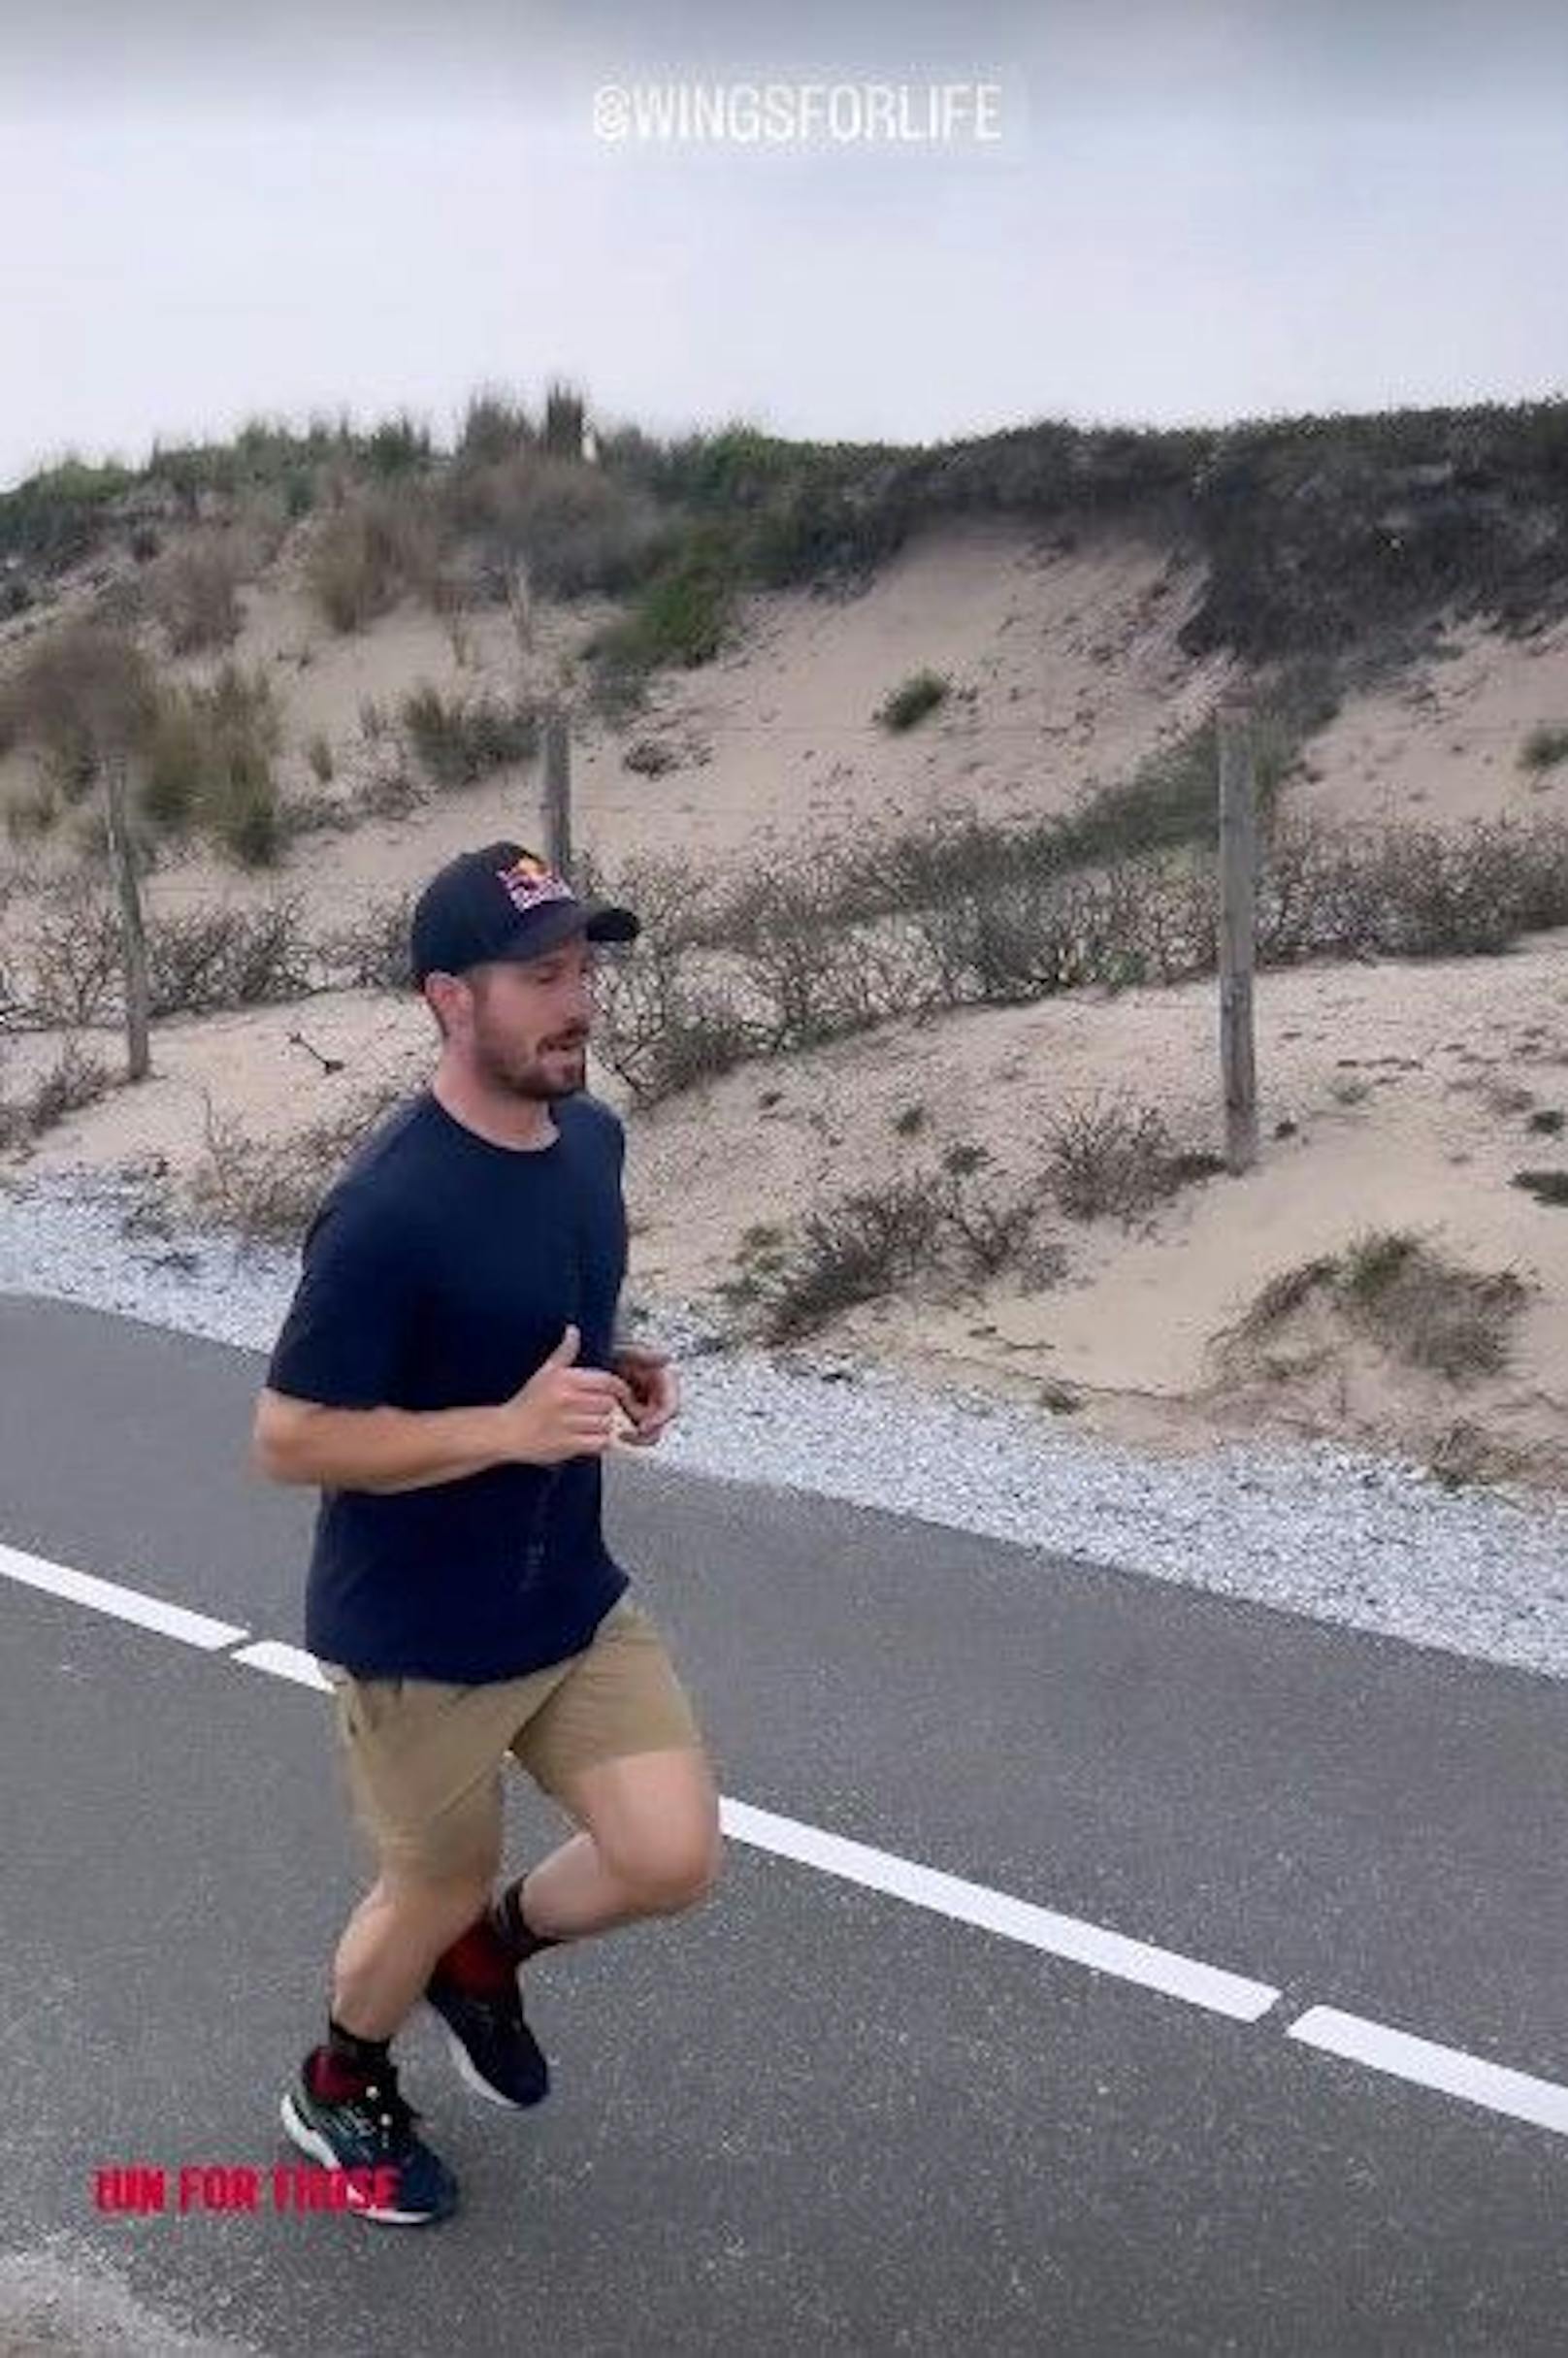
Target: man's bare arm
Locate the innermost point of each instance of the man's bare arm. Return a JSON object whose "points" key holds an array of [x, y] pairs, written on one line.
{"points": [[561, 1412], [372, 1449]]}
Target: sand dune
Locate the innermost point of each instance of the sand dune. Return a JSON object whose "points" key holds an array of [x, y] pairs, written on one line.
{"points": [[1408, 1087]]}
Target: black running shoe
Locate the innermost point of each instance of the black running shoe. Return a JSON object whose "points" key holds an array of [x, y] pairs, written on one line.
{"points": [[492, 2045], [374, 2131]]}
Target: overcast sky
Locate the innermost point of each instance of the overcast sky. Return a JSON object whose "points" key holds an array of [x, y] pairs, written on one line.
{"points": [[1196, 209]]}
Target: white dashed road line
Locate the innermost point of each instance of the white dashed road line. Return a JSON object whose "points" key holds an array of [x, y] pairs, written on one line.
{"points": [[125, 1604], [284, 1662], [1447, 2070]]}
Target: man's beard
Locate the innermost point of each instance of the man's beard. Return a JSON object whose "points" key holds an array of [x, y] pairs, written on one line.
{"points": [[538, 1080]]}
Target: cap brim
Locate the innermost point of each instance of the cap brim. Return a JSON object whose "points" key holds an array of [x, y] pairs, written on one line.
{"points": [[606, 922]]}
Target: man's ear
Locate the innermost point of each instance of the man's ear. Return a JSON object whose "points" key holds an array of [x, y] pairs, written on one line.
{"points": [[443, 994]]}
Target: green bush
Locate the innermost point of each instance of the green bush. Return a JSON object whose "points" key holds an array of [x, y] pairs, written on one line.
{"points": [[1547, 1187], [57, 518], [398, 446], [172, 770], [32, 813], [207, 765], [493, 427], [921, 693], [1544, 748], [683, 615]]}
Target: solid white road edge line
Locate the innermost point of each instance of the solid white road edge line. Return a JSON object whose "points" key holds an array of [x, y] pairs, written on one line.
{"points": [[1449, 2069], [1016, 1920]]}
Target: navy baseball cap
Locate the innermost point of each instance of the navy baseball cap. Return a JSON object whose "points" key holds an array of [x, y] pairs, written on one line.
{"points": [[502, 901]]}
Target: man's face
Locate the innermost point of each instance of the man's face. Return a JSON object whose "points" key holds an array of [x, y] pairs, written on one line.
{"points": [[526, 1022]]}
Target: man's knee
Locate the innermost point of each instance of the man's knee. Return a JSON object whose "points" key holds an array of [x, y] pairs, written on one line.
{"points": [[675, 1870], [440, 1904]]}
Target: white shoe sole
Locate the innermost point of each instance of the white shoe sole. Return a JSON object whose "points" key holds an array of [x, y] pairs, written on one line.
{"points": [[310, 2140], [472, 2078]]}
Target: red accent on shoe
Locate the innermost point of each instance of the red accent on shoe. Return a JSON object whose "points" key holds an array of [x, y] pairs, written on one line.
{"points": [[478, 1960], [333, 2078]]}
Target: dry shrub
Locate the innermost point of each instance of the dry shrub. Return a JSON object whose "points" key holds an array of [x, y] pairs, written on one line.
{"points": [[869, 1243], [1109, 1156], [1407, 1298], [1544, 748], [649, 758], [32, 813], [202, 959], [462, 739], [71, 969], [811, 978], [367, 553], [989, 1233], [664, 1022], [1410, 892], [574, 528], [855, 1250], [75, 1078], [193, 593], [82, 692], [370, 952], [386, 790], [662, 1031], [680, 904], [268, 1190]]}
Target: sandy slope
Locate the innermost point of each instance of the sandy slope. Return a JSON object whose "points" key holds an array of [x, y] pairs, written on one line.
{"points": [[1442, 744]]}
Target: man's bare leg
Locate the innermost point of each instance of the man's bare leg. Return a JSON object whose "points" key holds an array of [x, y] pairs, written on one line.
{"points": [[650, 1846], [389, 1944]]}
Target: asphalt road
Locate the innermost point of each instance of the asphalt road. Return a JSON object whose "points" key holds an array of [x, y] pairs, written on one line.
{"points": [[817, 2116]]}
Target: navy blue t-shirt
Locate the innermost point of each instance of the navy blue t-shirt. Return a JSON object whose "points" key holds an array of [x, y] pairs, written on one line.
{"points": [[440, 1272]]}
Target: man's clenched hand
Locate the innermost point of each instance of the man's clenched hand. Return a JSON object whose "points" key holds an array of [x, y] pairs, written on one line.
{"points": [[654, 1388], [564, 1411]]}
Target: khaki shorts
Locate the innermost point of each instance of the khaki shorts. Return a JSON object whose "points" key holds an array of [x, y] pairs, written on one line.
{"points": [[424, 1757]]}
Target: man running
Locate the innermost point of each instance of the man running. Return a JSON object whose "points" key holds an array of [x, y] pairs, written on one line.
{"points": [[450, 1378]]}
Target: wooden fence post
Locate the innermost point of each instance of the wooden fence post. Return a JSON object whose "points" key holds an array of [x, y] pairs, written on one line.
{"points": [[133, 932], [1238, 922], [557, 789]]}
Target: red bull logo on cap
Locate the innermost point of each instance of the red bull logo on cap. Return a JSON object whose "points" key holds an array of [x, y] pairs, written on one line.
{"points": [[530, 882]]}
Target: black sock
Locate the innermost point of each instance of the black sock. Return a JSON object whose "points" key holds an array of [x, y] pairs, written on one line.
{"points": [[344, 2065], [367, 2055], [522, 1941]]}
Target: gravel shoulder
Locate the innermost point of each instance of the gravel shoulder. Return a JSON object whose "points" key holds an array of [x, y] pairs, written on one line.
{"points": [[1319, 1529]]}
